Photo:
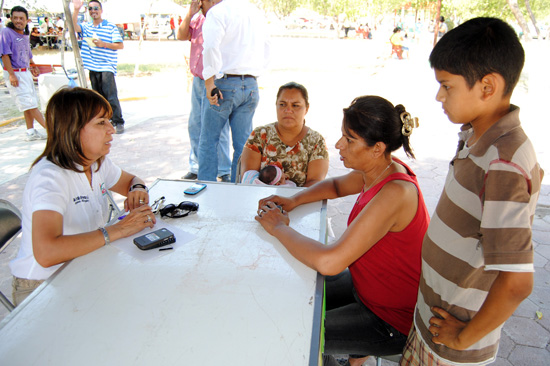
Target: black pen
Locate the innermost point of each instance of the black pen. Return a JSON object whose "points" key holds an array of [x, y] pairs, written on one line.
{"points": [[169, 248]]}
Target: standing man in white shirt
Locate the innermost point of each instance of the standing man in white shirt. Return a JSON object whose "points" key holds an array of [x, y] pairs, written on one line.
{"points": [[236, 52], [190, 29]]}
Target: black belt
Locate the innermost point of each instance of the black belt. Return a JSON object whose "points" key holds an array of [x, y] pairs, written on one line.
{"points": [[239, 76]]}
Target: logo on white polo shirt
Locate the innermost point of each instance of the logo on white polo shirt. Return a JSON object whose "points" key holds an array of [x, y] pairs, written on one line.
{"points": [[81, 199], [103, 189]]}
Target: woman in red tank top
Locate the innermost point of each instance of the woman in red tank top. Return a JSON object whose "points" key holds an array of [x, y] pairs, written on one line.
{"points": [[373, 269]]}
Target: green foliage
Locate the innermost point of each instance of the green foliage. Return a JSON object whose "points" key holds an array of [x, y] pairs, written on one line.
{"points": [[129, 68], [466, 9], [327, 7], [459, 9], [282, 8]]}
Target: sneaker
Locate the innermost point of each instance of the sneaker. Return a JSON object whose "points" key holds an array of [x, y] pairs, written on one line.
{"points": [[225, 178], [119, 127], [190, 176], [33, 135]]}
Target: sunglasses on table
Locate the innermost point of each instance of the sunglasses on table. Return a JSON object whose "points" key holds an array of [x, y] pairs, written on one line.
{"points": [[181, 210], [90, 8], [158, 204]]}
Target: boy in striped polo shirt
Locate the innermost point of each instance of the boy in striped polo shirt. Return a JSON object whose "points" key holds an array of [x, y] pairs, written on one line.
{"points": [[477, 255], [100, 58]]}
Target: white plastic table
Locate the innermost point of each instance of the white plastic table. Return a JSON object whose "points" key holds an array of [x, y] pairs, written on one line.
{"points": [[232, 296]]}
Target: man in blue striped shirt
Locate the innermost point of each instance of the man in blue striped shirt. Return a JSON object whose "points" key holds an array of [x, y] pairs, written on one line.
{"points": [[102, 40]]}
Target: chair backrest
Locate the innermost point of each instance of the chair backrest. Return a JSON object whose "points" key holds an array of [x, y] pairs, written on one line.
{"points": [[239, 172], [114, 211], [10, 227], [10, 223]]}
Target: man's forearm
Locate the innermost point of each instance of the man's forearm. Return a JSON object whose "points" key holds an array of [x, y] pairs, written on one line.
{"points": [[6, 60], [75, 20], [183, 29], [209, 83], [112, 46]]}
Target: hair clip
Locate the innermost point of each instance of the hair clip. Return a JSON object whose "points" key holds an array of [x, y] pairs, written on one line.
{"points": [[408, 123]]}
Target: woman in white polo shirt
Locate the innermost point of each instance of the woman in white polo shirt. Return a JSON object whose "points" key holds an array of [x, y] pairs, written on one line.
{"points": [[65, 204]]}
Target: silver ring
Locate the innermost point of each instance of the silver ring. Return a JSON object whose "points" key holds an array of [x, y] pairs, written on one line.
{"points": [[260, 212], [148, 219], [142, 201]]}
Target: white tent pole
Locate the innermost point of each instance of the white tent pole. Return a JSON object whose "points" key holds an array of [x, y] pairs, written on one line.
{"points": [[74, 42]]}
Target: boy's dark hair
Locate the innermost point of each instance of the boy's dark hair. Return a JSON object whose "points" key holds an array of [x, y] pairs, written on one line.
{"points": [[479, 47]]}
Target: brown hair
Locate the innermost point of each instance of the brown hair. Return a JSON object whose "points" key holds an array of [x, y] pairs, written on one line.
{"points": [[294, 85], [68, 111]]}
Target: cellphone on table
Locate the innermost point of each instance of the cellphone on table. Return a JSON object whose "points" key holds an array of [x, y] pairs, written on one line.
{"points": [[195, 188], [155, 239]]}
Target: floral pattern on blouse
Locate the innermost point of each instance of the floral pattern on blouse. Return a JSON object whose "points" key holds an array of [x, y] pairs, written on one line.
{"points": [[293, 160]]}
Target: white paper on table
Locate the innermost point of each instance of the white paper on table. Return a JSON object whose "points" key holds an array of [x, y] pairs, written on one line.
{"points": [[127, 245]]}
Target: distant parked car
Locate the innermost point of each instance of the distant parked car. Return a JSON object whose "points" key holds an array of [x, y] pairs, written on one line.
{"points": [[298, 23]]}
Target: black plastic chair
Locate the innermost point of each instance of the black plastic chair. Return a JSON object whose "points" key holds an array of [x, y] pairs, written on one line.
{"points": [[10, 227]]}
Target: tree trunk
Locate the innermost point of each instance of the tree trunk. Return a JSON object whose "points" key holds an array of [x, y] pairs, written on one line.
{"points": [[519, 17], [528, 6]]}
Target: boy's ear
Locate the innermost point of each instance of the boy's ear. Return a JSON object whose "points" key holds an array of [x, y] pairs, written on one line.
{"points": [[491, 85]]}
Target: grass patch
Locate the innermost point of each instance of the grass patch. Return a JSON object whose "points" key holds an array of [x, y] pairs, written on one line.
{"points": [[148, 69], [141, 68]]}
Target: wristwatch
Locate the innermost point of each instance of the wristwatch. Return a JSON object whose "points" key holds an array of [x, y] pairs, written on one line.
{"points": [[139, 185], [105, 235]]}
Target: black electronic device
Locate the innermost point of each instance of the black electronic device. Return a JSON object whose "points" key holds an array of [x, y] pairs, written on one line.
{"points": [[215, 91], [155, 239]]}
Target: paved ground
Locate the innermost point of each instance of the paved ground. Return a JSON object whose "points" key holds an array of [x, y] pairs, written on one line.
{"points": [[155, 143]]}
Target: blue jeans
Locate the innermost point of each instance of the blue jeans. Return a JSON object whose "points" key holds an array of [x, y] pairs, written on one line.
{"points": [[194, 128], [104, 83], [240, 99], [351, 327]]}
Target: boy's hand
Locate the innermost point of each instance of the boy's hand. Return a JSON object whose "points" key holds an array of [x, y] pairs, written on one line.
{"points": [[446, 329]]}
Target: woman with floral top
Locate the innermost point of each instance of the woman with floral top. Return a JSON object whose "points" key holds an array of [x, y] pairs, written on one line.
{"points": [[288, 143]]}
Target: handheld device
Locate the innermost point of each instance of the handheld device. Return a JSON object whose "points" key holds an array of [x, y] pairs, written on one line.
{"points": [[215, 91], [155, 239], [195, 188]]}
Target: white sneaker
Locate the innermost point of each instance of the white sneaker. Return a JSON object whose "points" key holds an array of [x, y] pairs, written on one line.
{"points": [[33, 134]]}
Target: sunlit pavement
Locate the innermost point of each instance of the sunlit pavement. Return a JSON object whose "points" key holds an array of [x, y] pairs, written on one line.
{"points": [[155, 143]]}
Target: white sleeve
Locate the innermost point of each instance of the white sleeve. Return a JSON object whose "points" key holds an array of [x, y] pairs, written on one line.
{"points": [[111, 173], [49, 191], [213, 32]]}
